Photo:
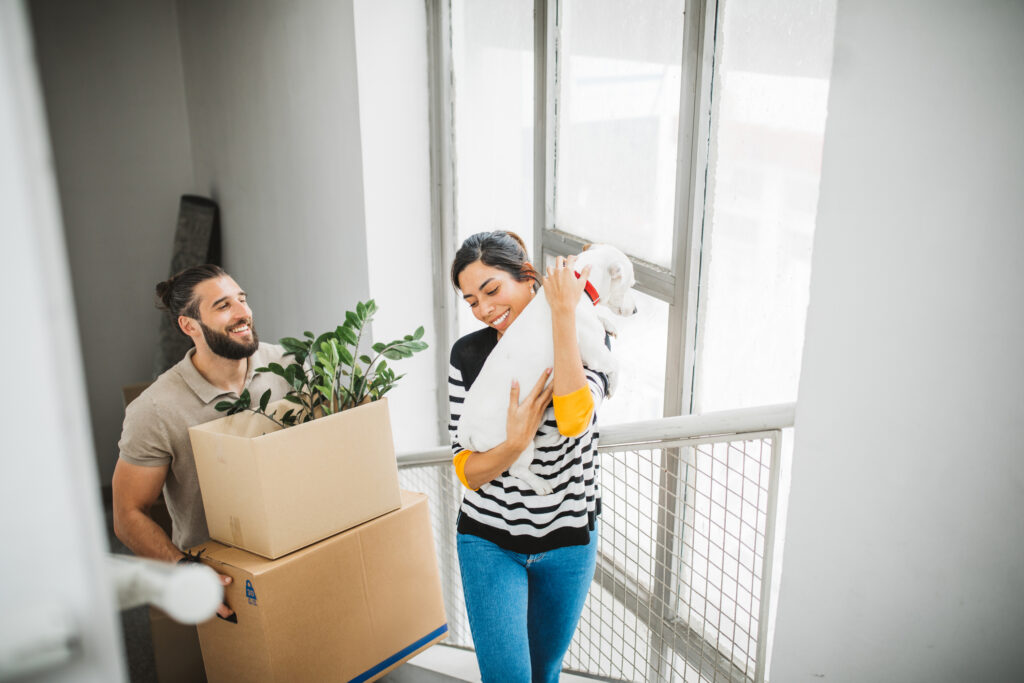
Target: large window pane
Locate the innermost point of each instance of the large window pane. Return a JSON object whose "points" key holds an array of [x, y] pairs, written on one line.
{"points": [[640, 350], [768, 123], [492, 54], [617, 112]]}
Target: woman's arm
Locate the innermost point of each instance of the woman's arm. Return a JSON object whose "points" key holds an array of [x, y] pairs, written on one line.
{"points": [[521, 424], [563, 291], [574, 405]]}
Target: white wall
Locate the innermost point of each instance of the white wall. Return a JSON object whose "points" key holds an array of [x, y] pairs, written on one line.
{"points": [[904, 554], [274, 116], [391, 46], [115, 103], [55, 595]]}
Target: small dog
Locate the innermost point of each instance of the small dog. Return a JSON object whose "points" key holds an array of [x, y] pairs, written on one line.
{"points": [[526, 349]]}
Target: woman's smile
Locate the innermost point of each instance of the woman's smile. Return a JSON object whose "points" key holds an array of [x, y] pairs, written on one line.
{"points": [[495, 297], [502, 320]]}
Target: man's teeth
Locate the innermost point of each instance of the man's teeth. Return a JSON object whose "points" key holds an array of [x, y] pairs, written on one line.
{"points": [[240, 328]]}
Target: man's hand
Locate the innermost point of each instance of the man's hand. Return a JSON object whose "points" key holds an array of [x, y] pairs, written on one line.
{"points": [[224, 612]]}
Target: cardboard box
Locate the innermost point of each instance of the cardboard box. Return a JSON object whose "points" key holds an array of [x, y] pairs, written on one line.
{"points": [[271, 491], [176, 653], [350, 608]]}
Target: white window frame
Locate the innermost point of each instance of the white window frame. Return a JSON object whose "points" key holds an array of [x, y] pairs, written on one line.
{"points": [[678, 285]]}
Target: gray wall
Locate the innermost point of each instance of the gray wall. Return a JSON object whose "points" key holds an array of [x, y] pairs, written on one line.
{"points": [[254, 103], [274, 117], [904, 552], [115, 101]]}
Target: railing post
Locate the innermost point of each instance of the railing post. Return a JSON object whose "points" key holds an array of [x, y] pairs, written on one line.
{"points": [[662, 592], [764, 613]]}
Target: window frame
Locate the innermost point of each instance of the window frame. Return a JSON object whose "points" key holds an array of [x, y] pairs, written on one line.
{"points": [[678, 285]]}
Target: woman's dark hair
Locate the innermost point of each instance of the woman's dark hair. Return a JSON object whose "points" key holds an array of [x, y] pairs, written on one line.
{"points": [[176, 295], [498, 249]]}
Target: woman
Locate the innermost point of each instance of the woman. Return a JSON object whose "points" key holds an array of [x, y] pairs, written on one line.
{"points": [[526, 560]]}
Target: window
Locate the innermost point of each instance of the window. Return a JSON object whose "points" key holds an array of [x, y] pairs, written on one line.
{"points": [[688, 134]]}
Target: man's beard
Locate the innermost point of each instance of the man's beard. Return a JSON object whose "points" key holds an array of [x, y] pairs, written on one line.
{"points": [[223, 345]]}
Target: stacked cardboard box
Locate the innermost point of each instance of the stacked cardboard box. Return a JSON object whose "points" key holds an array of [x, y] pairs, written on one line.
{"points": [[334, 569], [349, 608], [271, 491]]}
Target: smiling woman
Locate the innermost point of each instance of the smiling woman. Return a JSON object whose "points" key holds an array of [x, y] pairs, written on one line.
{"points": [[526, 553]]}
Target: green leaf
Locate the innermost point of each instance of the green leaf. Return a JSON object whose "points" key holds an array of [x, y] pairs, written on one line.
{"points": [[292, 398], [379, 346], [223, 405], [346, 357], [365, 359], [393, 354], [265, 401], [418, 333], [348, 335], [308, 334], [361, 310], [352, 320]]}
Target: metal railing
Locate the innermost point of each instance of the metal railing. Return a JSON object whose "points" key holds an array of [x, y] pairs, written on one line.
{"points": [[683, 581]]}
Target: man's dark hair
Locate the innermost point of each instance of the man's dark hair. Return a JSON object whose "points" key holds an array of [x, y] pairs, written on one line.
{"points": [[498, 249], [177, 295]]}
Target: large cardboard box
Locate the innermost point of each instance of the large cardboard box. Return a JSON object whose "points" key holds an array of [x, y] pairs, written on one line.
{"points": [[350, 608], [176, 652], [271, 491]]}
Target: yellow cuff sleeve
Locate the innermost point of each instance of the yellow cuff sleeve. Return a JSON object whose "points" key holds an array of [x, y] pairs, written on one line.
{"points": [[460, 468], [573, 411]]}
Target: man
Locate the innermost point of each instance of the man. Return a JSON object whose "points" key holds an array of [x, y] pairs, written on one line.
{"points": [[155, 450]]}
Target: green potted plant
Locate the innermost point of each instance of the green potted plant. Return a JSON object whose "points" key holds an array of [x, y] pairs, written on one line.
{"points": [[276, 477], [328, 374]]}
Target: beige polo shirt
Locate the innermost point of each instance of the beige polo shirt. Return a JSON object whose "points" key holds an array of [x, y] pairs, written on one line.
{"points": [[155, 432]]}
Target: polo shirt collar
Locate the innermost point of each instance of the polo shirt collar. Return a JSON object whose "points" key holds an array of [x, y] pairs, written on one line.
{"points": [[199, 384]]}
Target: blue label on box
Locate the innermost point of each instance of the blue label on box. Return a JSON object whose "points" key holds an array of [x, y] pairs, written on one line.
{"points": [[250, 592]]}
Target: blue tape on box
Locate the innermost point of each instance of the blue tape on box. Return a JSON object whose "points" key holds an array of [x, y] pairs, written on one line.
{"points": [[398, 656]]}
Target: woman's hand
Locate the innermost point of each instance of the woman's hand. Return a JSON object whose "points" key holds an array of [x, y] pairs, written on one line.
{"points": [[563, 291], [524, 418], [562, 288]]}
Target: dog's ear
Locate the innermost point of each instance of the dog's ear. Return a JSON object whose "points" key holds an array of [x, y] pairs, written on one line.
{"points": [[615, 270], [586, 246]]}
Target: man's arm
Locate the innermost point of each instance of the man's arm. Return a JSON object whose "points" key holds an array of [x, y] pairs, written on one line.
{"points": [[135, 489]]}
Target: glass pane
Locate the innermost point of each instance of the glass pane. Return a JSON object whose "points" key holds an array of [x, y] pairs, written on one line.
{"points": [[617, 112], [640, 350], [492, 54], [768, 123]]}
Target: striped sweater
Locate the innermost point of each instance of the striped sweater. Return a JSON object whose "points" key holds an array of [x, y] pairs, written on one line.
{"points": [[505, 510]]}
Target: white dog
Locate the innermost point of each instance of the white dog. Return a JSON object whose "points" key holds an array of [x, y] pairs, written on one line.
{"points": [[526, 349]]}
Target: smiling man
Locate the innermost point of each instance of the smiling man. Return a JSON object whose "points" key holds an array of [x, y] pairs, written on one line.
{"points": [[155, 451]]}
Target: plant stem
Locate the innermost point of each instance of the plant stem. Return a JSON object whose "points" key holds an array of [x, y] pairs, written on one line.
{"points": [[268, 416], [355, 360]]}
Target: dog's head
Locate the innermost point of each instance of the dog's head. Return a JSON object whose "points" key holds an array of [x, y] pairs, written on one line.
{"points": [[611, 273]]}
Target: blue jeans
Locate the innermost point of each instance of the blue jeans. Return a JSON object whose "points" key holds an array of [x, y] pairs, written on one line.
{"points": [[523, 609]]}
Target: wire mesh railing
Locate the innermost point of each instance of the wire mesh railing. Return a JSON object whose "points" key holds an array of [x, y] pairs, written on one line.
{"points": [[683, 579]]}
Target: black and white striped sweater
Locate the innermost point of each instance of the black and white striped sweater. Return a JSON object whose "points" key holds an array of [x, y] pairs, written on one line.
{"points": [[506, 511]]}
